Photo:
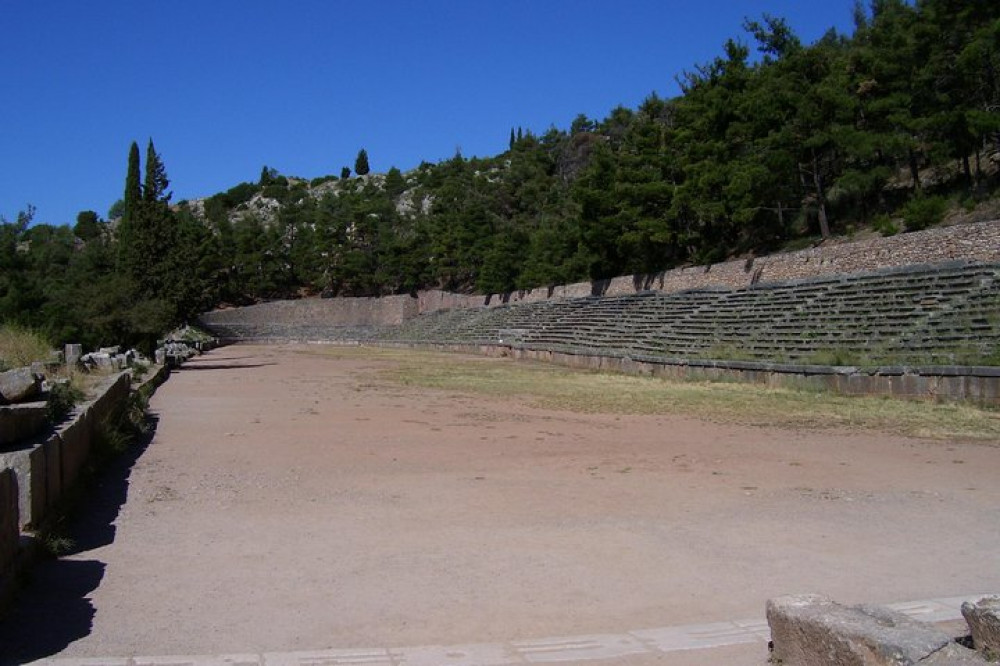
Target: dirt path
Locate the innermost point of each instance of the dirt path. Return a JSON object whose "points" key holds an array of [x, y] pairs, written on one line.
{"points": [[290, 501]]}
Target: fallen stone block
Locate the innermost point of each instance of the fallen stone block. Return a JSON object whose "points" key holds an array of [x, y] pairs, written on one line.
{"points": [[813, 630], [983, 618], [19, 385], [954, 655]]}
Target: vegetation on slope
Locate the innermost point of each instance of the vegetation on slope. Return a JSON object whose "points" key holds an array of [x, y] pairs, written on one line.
{"points": [[887, 127]]}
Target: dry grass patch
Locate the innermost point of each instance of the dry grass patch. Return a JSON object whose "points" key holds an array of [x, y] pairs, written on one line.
{"points": [[557, 387]]}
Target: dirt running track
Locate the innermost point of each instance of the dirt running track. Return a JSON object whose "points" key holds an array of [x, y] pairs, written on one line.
{"points": [[292, 501]]}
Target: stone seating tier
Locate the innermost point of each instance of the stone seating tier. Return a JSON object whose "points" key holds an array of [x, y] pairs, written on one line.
{"points": [[917, 314]]}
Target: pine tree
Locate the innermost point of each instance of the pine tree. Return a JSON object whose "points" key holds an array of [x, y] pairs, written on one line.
{"points": [[361, 163]]}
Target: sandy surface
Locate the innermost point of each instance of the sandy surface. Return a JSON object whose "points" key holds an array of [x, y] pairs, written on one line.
{"points": [[293, 501]]}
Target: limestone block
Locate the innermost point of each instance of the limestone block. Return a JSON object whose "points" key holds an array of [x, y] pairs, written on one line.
{"points": [[19, 385], [954, 655], [983, 618], [9, 520], [73, 352], [19, 422], [75, 440], [813, 630], [28, 465], [53, 470]]}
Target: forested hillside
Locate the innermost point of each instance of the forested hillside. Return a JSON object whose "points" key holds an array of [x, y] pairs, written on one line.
{"points": [[773, 142]]}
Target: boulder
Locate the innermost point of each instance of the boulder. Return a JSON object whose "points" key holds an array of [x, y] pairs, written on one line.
{"points": [[813, 630], [19, 385], [983, 618]]}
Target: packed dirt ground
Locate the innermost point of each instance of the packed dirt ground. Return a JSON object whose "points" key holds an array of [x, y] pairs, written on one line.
{"points": [[294, 499]]}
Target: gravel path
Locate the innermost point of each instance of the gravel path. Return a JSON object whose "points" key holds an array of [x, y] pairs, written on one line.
{"points": [[291, 502]]}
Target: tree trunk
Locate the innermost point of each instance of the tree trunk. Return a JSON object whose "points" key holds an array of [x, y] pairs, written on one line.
{"points": [[914, 169], [824, 224]]}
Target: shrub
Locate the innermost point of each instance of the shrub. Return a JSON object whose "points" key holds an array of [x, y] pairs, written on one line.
{"points": [[884, 225], [62, 397], [922, 212]]}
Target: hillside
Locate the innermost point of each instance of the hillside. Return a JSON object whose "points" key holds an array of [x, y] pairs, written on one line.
{"points": [[785, 145]]}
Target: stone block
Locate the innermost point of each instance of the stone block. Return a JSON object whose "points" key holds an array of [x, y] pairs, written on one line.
{"points": [[983, 618], [28, 465], [9, 520], [19, 385], [954, 655], [73, 352], [75, 440], [813, 630], [19, 422], [53, 470]]}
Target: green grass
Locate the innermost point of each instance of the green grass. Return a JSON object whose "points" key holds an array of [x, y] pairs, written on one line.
{"points": [[560, 388]]}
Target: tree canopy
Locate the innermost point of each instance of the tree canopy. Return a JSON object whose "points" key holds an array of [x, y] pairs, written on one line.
{"points": [[770, 143]]}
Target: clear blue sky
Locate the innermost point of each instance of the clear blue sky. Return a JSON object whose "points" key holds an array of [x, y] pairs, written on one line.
{"points": [[224, 87]]}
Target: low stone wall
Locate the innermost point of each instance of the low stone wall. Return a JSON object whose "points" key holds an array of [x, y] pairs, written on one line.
{"points": [[44, 468], [975, 384], [34, 478]]}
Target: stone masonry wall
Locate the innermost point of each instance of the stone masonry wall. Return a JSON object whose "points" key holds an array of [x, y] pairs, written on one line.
{"points": [[387, 311], [970, 242]]}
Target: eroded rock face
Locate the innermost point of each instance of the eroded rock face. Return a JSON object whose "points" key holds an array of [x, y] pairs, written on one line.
{"points": [[983, 618], [19, 385], [813, 630]]}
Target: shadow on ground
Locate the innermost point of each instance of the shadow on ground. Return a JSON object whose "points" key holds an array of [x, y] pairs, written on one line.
{"points": [[220, 366], [52, 609]]}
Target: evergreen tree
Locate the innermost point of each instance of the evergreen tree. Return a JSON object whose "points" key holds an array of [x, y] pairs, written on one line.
{"points": [[361, 163], [155, 186], [345, 173], [133, 188]]}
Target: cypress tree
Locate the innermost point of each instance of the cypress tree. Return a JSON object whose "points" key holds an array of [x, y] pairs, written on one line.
{"points": [[155, 187], [130, 206], [361, 163], [133, 191]]}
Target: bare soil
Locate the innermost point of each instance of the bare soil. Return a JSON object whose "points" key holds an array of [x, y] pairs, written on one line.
{"points": [[292, 500]]}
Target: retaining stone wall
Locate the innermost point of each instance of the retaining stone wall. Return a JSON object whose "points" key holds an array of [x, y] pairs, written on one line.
{"points": [[329, 312], [979, 242], [45, 468], [35, 477]]}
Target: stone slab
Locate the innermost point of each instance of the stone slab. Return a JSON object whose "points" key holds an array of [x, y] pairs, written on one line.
{"points": [[22, 421], [813, 630], [983, 617]]}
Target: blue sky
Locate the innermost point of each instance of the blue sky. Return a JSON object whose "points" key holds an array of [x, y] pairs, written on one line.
{"points": [[224, 87]]}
